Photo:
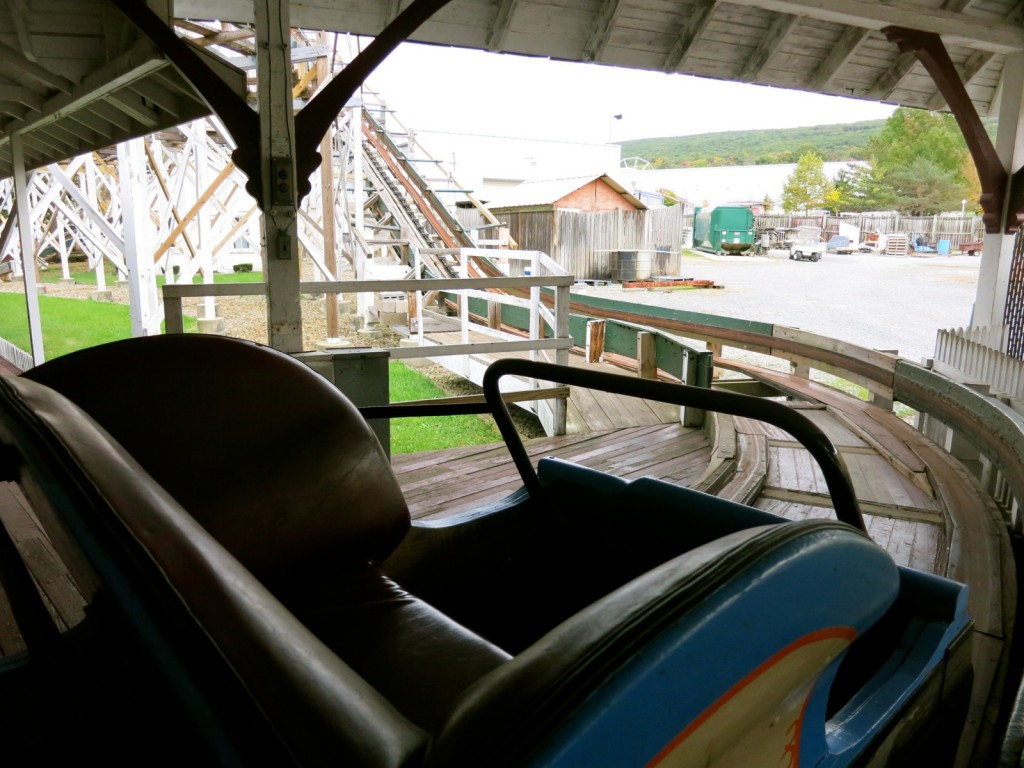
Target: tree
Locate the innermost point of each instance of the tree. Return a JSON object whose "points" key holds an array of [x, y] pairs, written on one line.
{"points": [[922, 160], [860, 188], [910, 134], [922, 188], [668, 197], [807, 186]]}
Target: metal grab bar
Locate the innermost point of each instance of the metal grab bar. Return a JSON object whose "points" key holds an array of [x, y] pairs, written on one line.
{"points": [[799, 426]]}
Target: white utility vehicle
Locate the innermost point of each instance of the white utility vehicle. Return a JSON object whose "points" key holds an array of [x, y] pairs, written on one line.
{"points": [[807, 244]]}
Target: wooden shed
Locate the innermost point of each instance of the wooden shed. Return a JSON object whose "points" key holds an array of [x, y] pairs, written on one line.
{"points": [[578, 221]]}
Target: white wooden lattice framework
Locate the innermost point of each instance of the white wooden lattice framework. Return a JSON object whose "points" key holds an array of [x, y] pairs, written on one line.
{"points": [[189, 213]]}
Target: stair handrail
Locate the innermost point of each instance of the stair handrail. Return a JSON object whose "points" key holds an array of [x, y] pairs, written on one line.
{"points": [[478, 204], [431, 205]]}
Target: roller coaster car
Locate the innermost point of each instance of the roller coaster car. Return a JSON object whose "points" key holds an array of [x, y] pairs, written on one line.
{"points": [[258, 594]]}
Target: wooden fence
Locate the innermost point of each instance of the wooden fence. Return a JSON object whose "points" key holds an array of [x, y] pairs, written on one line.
{"points": [[582, 242]]}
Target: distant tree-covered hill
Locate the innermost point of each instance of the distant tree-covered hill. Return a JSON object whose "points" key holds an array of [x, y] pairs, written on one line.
{"points": [[758, 147]]}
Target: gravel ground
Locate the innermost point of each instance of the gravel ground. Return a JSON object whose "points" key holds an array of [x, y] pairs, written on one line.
{"points": [[879, 302]]}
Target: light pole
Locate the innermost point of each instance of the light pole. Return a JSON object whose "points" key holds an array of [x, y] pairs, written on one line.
{"points": [[963, 207], [611, 124]]}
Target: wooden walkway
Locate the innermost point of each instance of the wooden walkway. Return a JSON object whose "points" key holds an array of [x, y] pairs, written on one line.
{"points": [[441, 483], [587, 410]]}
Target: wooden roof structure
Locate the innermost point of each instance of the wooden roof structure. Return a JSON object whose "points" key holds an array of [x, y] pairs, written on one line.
{"points": [[75, 74], [79, 75], [826, 46]]}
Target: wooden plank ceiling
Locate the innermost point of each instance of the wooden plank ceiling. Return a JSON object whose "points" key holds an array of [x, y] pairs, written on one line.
{"points": [[74, 76]]}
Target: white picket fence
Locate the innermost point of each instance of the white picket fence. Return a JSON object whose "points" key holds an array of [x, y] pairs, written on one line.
{"points": [[16, 356], [976, 355]]}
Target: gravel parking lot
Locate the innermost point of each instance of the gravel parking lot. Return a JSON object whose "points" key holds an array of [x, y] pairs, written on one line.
{"points": [[880, 302]]}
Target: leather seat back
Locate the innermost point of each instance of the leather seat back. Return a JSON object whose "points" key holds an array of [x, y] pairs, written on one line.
{"points": [[285, 486]]}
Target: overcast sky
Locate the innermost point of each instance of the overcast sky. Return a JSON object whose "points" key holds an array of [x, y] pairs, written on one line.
{"points": [[474, 92]]}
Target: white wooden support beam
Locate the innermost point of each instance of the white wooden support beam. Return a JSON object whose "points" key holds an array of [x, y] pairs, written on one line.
{"points": [[563, 296], [204, 245], [954, 27], [327, 205], [131, 164], [997, 249], [277, 166], [87, 207], [534, 304], [21, 181], [359, 252]]}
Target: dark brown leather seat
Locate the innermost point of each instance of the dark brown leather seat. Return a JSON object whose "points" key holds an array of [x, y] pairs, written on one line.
{"points": [[283, 471]]}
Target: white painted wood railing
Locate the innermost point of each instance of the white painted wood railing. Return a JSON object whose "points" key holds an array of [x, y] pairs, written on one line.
{"points": [[975, 355], [557, 343], [15, 355]]}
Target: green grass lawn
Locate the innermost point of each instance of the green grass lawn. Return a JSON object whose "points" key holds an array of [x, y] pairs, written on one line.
{"points": [[73, 324], [68, 324], [431, 433], [81, 273]]}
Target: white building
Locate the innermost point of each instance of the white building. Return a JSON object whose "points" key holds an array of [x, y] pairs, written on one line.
{"points": [[718, 185]]}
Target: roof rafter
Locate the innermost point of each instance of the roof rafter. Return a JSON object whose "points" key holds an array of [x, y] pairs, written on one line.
{"points": [[978, 60], [137, 62], [602, 30], [15, 60], [501, 25], [19, 18], [699, 18], [954, 27], [780, 27], [890, 79], [14, 109], [162, 98], [849, 39], [135, 107], [25, 96], [394, 8]]}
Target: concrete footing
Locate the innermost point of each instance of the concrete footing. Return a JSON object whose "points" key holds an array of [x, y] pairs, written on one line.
{"points": [[104, 295], [328, 345], [372, 332], [212, 325]]}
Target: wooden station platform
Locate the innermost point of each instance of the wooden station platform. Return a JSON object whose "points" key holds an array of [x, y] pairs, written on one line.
{"points": [[587, 410]]}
